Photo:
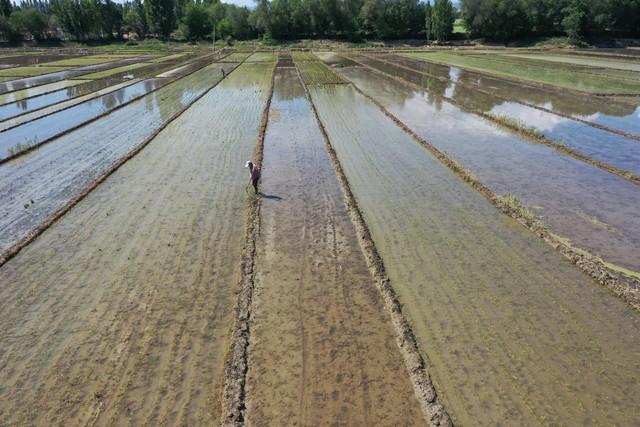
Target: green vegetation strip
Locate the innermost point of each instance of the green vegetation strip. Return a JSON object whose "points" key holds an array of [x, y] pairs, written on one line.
{"points": [[167, 58], [236, 57], [553, 76], [303, 56], [619, 64], [622, 284], [78, 62], [262, 57], [316, 73], [29, 71], [112, 71]]}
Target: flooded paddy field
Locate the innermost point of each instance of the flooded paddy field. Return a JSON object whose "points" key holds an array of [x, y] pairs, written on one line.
{"points": [[322, 349], [136, 328], [575, 199], [142, 282], [550, 74], [616, 115], [47, 178], [471, 283], [606, 146]]}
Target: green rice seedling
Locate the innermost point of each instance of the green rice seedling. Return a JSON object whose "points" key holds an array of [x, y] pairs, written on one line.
{"points": [[518, 125], [555, 74], [21, 147], [29, 71], [514, 204], [303, 56], [316, 73]]}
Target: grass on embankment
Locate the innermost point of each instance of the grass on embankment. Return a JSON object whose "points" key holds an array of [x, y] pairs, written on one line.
{"points": [[29, 71], [550, 74], [316, 73]]}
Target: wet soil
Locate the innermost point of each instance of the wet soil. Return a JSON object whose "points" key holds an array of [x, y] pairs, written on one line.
{"points": [[134, 330], [505, 338], [322, 349]]}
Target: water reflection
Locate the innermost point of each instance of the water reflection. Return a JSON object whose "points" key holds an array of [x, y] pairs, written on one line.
{"points": [[536, 174]]}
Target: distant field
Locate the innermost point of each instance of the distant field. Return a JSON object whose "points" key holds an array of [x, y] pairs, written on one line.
{"points": [[552, 75], [29, 71], [620, 64]]}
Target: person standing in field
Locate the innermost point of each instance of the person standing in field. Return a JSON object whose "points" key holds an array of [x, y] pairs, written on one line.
{"points": [[254, 175]]}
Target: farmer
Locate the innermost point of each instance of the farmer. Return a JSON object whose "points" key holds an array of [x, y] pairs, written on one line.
{"points": [[254, 175]]}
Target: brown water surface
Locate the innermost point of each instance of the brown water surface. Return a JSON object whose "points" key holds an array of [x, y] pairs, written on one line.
{"points": [[322, 348]]}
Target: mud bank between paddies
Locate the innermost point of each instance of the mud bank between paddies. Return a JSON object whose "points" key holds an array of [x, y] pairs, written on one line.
{"points": [[322, 346], [511, 330], [120, 312]]}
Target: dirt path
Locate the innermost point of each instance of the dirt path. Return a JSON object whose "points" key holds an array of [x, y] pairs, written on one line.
{"points": [[513, 333], [322, 350], [119, 314]]}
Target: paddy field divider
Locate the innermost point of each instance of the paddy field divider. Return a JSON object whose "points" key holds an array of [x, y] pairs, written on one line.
{"points": [[624, 286], [501, 121], [236, 360], [433, 410], [14, 249], [32, 147]]}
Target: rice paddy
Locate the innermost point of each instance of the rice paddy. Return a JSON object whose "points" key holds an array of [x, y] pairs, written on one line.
{"points": [[438, 238]]}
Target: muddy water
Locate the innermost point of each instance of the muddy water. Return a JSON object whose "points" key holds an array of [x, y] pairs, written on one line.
{"points": [[590, 108], [55, 172], [593, 208], [513, 333], [322, 348], [120, 313]]}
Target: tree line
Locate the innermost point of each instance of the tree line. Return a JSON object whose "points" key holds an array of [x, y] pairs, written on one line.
{"points": [[297, 19]]}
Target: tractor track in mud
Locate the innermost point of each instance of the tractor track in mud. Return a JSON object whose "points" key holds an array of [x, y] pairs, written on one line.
{"points": [[236, 365], [14, 249], [624, 287], [33, 147], [143, 77], [630, 176], [527, 104], [434, 411]]}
